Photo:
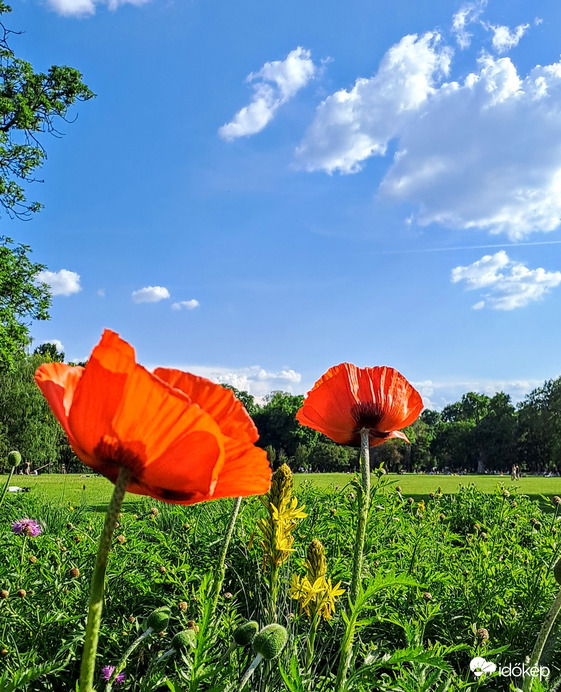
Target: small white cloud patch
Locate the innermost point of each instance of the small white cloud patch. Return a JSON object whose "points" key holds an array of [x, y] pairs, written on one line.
{"points": [[466, 15], [509, 284], [61, 283], [86, 8], [55, 342], [275, 84], [186, 304], [504, 38], [150, 294]]}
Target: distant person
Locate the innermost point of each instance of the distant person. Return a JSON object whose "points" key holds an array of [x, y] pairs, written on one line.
{"points": [[63, 468], [27, 468], [513, 473]]}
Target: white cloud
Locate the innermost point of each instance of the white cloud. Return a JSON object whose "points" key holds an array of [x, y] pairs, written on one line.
{"points": [[351, 126], [436, 395], [150, 294], [274, 84], [101, 293], [509, 284], [61, 283], [253, 379], [55, 342], [466, 15], [504, 39], [187, 304], [85, 8]]}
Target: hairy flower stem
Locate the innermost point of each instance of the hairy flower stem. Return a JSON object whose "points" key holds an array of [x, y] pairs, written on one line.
{"points": [[249, 672], [364, 506], [125, 658], [311, 642], [542, 640], [98, 580], [221, 568], [7, 484]]}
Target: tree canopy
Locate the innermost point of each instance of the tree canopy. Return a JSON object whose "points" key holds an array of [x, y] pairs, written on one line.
{"points": [[30, 105]]}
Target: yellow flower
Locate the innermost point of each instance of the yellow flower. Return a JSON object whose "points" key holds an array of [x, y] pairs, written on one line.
{"points": [[314, 592]]}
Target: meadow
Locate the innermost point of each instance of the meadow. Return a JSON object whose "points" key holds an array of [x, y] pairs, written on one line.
{"points": [[450, 575]]}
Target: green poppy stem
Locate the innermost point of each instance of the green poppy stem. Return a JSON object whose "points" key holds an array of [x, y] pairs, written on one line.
{"points": [[221, 568], [542, 640], [7, 484], [98, 580], [364, 506]]}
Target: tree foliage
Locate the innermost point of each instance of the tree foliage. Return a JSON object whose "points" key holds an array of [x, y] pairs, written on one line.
{"points": [[22, 299], [30, 105]]}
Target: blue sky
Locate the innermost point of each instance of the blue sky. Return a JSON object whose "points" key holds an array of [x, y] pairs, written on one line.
{"points": [[261, 191]]}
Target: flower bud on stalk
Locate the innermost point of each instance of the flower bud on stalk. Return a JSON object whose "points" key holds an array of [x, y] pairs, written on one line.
{"points": [[268, 644], [14, 460]]}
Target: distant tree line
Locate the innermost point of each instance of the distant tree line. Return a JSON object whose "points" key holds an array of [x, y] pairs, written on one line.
{"points": [[476, 434]]}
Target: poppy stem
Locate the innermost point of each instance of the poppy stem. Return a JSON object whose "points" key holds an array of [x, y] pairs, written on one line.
{"points": [[98, 580], [221, 568], [364, 506], [543, 636]]}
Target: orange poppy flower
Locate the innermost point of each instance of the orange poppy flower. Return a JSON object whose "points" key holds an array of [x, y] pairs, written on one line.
{"points": [[184, 438], [348, 399]]}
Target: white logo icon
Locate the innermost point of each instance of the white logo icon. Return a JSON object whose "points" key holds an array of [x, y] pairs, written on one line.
{"points": [[479, 666]]}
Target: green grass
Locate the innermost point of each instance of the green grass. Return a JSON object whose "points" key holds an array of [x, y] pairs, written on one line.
{"points": [[95, 491]]}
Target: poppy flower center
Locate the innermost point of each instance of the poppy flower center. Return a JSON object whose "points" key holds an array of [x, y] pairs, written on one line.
{"points": [[368, 415], [112, 451]]}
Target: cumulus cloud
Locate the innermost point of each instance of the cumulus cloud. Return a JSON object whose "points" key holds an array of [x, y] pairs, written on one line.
{"points": [[275, 84], [150, 294], [504, 38], [61, 283], [466, 15], [253, 379], [351, 126], [506, 284], [186, 304], [438, 394], [85, 8]]}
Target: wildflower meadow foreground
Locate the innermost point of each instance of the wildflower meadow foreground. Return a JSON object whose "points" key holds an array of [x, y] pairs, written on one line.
{"points": [[220, 575]]}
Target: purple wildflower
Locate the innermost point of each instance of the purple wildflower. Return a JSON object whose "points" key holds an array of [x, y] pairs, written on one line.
{"points": [[29, 527], [107, 672]]}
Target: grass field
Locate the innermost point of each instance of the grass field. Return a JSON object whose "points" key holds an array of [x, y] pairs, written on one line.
{"points": [[95, 491]]}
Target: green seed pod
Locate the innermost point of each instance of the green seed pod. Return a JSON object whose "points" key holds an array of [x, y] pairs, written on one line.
{"points": [[557, 571], [245, 633], [14, 458], [183, 641], [158, 619], [270, 641]]}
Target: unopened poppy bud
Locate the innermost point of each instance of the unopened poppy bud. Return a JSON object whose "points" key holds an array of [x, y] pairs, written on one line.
{"points": [[556, 500], [32, 559], [62, 548], [270, 641], [556, 573], [4, 652], [333, 511], [132, 618], [154, 511], [482, 635], [22, 593], [505, 493], [183, 606], [483, 535], [74, 573], [184, 640], [427, 596], [245, 633], [192, 625], [14, 458], [410, 501], [431, 495], [398, 488], [228, 596], [121, 539], [158, 619], [4, 593], [162, 570]]}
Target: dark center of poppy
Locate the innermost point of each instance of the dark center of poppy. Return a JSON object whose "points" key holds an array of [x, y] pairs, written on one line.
{"points": [[368, 415], [112, 451]]}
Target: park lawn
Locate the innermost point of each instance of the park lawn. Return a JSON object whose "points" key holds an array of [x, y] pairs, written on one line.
{"points": [[95, 491]]}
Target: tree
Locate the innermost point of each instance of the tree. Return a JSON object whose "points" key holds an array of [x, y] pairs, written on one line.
{"points": [[49, 352], [21, 299], [30, 103]]}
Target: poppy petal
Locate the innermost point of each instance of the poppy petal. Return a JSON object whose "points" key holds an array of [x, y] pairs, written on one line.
{"points": [[219, 402], [58, 383], [246, 470], [99, 391]]}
